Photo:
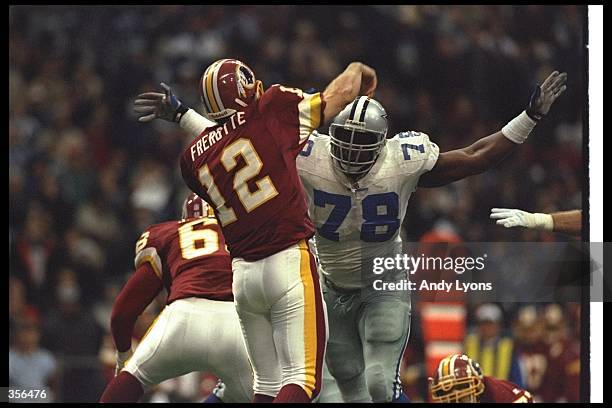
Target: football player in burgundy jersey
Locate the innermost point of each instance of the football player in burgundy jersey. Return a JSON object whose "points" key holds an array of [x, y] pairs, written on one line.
{"points": [[458, 378], [198, 330], [245, 167]]}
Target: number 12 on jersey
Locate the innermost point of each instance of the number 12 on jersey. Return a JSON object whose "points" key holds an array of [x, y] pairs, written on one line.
{"points": [[379, 211], [250, 200]]}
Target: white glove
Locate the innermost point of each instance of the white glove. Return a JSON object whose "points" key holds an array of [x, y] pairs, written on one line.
{"points": [[219, 390], [509, 217], [122, 358]]}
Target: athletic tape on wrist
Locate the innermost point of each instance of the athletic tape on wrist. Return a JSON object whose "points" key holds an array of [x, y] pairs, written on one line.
{"points": [[519, 128]]}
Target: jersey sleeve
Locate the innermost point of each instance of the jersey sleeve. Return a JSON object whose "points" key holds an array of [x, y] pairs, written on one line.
{"points": [[293, 109], [419, 150], [505, 391], [187, 173], [134, 297], [146, 252]]}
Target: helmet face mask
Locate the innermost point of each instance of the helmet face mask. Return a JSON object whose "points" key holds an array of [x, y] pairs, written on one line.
{"points": [[354, 151], [463, 381], [453, 389], [357, 136]]}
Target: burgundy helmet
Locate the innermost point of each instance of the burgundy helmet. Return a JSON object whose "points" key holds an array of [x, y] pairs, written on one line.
{"points": [[228, 85], [458, 378], [195, 206]]}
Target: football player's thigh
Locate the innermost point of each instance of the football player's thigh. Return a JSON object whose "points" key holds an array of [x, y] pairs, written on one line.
{"points": [[384, 327], [344, 356], [299, 321], [161, 353], [257, 332], [252, 287], [228, 356]]}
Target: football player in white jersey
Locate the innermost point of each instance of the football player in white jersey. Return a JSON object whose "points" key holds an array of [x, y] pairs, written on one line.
{"points": [[358, 184]]}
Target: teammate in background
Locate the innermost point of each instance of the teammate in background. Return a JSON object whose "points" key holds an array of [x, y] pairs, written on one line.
{"points": [[245, 166], [564, 357], [566, 222], [533, 353], [459, 379], [198, 330]]}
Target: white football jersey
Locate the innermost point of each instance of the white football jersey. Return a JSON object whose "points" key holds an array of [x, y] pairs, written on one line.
{"points": [[356, 223]]}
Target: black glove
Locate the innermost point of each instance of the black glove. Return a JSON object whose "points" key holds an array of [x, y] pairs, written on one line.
{"points": [[166, 106], [544, 95]]}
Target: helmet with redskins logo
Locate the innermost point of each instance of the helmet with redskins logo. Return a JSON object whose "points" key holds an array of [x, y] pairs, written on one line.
{"points": [[457, 379], [194, 206], [227, 86]]}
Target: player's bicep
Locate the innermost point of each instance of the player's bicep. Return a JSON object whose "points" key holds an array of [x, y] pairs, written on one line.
{"points": [[140, 290], [449, 167]]}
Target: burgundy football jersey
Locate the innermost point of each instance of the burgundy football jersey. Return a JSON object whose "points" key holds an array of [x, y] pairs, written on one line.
{"points": [[245, 168], [190, 258], [551, 373], [563, 381], [535, 365], [503, 391]]}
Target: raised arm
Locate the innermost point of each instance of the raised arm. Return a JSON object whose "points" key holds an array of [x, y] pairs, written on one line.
{"points": [[490, 150], [357, 79]]}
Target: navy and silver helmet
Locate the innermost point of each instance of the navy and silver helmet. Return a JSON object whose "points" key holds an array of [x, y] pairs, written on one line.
{"points": [[357, 135]]}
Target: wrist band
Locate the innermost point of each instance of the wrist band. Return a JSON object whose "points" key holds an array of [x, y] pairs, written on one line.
{"points": [[194, 123], [180, 111], [543, 221], [518, 129]]}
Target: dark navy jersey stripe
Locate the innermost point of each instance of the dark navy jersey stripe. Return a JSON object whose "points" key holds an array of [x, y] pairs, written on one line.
{"points": [[353, 109]]}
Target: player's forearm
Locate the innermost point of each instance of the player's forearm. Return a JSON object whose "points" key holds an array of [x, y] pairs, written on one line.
{"points": [[134, 297], [343, 90], [567, 222], [480, 156], [194, 123], [488, 151], [122, 327], [485, 153]]}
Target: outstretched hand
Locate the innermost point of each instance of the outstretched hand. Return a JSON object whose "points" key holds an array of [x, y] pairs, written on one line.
{"points": [[152, 105], [546, 94]]}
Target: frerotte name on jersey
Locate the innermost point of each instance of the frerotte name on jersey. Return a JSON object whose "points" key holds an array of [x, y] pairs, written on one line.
{"points": [[208, 139]]}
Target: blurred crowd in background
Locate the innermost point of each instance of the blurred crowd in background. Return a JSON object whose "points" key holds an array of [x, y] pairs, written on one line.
{"points": [[85, 178]]}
